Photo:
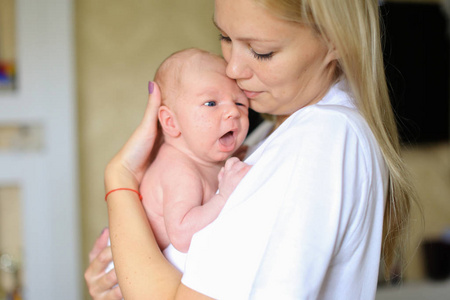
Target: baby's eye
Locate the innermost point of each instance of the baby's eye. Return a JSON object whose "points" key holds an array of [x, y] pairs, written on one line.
{"points": [[210, 103], [242, 102]]}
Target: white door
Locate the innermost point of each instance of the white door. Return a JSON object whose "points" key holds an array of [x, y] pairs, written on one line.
{"points": [[44, 100]]}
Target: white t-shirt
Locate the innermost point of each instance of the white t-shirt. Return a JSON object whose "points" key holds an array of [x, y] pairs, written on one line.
{"points": [[306, 221]]}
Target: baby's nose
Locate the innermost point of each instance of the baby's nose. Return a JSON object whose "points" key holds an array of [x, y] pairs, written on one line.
{"points": [[232, 111]]}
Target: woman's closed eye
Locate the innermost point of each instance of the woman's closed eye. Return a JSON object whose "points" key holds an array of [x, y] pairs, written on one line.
{"points": [[259, 56], [224, 38], [262, 56]]}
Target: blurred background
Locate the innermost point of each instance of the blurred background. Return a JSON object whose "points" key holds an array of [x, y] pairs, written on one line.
{"points": [[73, 86]]}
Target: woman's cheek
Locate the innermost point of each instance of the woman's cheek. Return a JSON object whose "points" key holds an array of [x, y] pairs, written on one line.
{"points": [[226, 50]]}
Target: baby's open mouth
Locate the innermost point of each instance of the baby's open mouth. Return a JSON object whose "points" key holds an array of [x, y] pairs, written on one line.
{"points": [[227, 139]]}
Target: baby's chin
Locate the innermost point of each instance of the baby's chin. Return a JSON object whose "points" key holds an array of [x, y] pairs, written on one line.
{"points": [[222, 158]]}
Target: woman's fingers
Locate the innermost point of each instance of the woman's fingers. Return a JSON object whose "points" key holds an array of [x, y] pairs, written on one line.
{"points": [[110, 280], [100, 244], [130, 164], [98, 265], [100, 283], [116, 293], [135, 154], [154, 102]]}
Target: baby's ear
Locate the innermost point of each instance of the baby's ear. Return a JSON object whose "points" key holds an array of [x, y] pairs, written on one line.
{"points": [[168, 122]]}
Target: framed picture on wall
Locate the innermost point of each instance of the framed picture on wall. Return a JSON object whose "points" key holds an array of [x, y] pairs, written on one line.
{"points": [[7, 45]]}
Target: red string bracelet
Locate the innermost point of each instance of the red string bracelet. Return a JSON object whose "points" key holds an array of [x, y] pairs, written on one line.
{"points": [[123, 189]]}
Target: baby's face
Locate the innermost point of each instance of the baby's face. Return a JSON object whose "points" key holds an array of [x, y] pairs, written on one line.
{"points": [[212, 112]]}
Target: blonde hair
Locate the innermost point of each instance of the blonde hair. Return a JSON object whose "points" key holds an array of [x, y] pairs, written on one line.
{"points": [[353, 28]]}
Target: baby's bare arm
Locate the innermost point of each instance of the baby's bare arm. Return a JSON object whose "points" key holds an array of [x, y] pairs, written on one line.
{"points": [[184, 213]]}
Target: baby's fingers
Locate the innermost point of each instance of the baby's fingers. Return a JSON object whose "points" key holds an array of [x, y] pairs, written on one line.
{"points": [[230, 163], [240, 170], [244, 169], [236, 167]]}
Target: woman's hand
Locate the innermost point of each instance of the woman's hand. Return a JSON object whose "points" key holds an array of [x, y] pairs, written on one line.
{"points": [[129, 165], [102, 285], [126, 169]]}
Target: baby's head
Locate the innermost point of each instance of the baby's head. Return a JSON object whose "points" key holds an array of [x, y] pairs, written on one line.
{"points": [[203, 110], [184, 64]]}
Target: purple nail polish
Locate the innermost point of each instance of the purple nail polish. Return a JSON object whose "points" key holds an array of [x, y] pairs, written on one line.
{"points": [[103, 231], [151, 85]]}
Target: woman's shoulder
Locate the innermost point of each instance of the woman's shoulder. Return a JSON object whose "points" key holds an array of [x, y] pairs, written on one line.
{"points": [[337, 110], [319, 131], [327, 122], [345, 116]]}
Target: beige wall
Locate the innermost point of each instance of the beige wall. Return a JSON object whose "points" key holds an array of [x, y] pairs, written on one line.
{"points": [[119, 46], [7, 30]]}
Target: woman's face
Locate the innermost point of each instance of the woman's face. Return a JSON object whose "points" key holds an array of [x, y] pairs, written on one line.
{"points": [[281, 66]]}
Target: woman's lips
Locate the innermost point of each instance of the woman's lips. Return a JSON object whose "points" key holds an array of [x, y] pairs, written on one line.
{"points": [[250, 94]]}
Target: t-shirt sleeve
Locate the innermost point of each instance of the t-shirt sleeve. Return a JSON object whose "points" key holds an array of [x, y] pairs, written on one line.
{"points": [[284, 225]]}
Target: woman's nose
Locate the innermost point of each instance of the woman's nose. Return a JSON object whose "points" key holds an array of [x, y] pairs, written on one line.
{"points": [[237, 67]]}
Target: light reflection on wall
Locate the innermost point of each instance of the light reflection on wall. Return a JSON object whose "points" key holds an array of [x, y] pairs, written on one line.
{"points": [[10, 242], [21, 138]]}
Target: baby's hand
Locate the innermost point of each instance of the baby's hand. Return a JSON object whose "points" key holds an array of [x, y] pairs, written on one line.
{"points": [[230, 175], [241, 152]]}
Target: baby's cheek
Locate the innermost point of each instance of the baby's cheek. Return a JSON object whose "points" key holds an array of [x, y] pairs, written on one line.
{"points": [[203, 126]]}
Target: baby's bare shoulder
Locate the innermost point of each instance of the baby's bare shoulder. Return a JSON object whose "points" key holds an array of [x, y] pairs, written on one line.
{"points": [[170, 164]]}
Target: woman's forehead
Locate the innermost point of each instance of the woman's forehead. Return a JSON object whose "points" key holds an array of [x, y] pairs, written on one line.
{"points": [[248, 21]]}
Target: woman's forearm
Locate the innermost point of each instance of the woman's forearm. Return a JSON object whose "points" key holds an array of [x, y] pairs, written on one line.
{"points": [[142, 270]]}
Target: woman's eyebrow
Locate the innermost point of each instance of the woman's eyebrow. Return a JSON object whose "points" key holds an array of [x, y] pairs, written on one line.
{"points": [[245, 39], [214, 22]]}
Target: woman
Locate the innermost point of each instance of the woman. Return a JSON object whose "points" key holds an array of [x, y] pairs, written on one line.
{"points": [[327, 191]]}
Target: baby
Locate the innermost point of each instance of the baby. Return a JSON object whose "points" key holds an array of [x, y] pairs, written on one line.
{"points": [[204, 120]]}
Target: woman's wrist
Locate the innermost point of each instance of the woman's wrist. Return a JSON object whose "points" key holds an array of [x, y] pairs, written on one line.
{"points": [[117, 176]]}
